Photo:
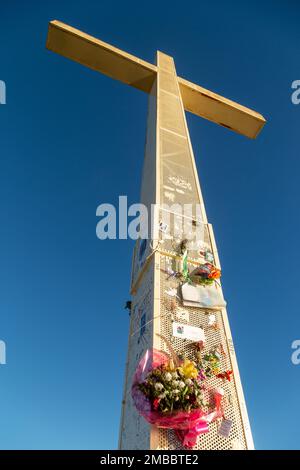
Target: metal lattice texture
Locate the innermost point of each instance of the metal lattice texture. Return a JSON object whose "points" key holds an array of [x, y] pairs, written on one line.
{"points": [[199, 318], [135, 431], [179, 227]]}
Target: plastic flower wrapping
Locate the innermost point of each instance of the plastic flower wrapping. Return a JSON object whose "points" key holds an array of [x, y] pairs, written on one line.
{"points": [[168, 392], [205, 274]]}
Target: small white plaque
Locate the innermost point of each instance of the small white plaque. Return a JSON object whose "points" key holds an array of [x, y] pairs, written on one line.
{"points": [[192, 333], [183, 315]]}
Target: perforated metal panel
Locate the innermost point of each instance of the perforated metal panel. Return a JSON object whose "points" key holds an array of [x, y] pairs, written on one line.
{"points": [[134, 430], [199, 318]]}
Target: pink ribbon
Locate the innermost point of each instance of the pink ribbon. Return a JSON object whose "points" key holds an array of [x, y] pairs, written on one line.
{"points": [[189, 438]]}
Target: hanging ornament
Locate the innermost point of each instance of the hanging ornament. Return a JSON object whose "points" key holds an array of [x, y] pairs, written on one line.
{"points": [[128, 306], [225, 375], [218, 396], [225, 428]]}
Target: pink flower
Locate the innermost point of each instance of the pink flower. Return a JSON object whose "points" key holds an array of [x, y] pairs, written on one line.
{"points": [[201, 375]]}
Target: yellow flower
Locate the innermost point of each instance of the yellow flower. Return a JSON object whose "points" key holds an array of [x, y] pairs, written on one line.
{"points": [[188, 369], [216, 370]]}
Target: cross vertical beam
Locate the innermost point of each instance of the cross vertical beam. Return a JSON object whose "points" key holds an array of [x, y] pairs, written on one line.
{"points": [[170, 177]]}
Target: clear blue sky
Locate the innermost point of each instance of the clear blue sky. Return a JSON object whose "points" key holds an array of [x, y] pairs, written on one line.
{"points": [[72, 139]]}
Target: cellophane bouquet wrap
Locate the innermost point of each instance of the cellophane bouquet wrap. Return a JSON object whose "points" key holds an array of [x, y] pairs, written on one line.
{"points": [[171, 396]]}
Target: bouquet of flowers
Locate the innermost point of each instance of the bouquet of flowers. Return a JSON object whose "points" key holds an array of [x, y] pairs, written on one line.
{"points": [[172, 388], [205, 274], [168, 392]]}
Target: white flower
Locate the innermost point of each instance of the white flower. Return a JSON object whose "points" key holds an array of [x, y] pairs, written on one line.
{"points": [[159, 386], [175, 383], [175, 392], [161, 396], [181, 384], [175, 375], [168, 376], [189, 381]]}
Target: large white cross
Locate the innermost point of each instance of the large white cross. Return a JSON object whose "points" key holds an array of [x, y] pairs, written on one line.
{"points": [[169, 175]]}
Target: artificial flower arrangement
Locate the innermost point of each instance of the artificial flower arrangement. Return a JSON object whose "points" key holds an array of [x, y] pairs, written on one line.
{"points": [[169, 393], [171, 388], [210, 365], [205, 274]]}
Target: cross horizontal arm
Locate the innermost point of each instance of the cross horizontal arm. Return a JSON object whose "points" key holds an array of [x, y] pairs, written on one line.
{"points": [[120, 65], [216, 108], [100, 56]]}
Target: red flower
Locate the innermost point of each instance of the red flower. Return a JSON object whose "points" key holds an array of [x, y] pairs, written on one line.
{"points": [[225, 375], [156, 403], [193, 399]]}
